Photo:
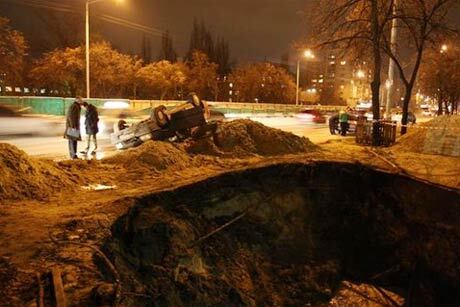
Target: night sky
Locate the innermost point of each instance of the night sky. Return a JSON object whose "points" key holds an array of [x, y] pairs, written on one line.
{"points": [[255, 29]]}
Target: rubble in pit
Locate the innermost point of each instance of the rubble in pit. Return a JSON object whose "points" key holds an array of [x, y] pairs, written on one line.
{"points": [[23, 177], [439, 136], [289, 235]]}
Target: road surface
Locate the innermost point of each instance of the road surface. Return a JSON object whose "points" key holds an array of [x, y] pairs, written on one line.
{"points": [[55, 147]]}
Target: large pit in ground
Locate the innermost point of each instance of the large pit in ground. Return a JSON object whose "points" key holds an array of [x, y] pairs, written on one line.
{"points": [[295, 232]]}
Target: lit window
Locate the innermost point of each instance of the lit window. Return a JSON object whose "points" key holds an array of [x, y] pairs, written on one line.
{"points": [[343, 63]]}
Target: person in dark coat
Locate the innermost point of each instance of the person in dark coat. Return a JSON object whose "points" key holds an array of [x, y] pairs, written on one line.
{"points": [[91, 120], [72, 126]]}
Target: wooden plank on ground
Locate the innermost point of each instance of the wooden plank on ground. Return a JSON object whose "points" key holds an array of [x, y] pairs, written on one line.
{"points": [[58, 287]]}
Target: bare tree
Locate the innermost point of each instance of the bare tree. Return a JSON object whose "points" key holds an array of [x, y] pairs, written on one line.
{"points": [[422, 24], [358, 26]]}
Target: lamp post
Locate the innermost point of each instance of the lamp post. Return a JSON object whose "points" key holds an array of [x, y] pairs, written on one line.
{"points": [[309, 55], [88, 3], [392, 67]]}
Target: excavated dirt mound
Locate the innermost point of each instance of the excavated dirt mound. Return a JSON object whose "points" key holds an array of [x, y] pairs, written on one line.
{"points": [[440, 136], [23, 177], [243, 137], [287, 235], [153, 155]]}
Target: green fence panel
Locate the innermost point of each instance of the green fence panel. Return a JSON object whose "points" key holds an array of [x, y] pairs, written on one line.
{"points": [[49, 105]]}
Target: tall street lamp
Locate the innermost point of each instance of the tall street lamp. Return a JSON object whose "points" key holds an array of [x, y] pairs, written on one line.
{"points": [[392, 66], [88, 3], [309, 55]]}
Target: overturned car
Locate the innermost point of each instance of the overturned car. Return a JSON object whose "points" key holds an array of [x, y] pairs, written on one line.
{"points": [[190, 119]]}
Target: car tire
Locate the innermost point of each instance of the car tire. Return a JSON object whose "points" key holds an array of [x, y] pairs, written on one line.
{"points": [[195, 101], [160, 116], [121, 125]]}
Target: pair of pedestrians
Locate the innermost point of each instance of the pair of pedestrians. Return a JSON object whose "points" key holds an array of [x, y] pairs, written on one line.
{"points": [[72, 130]]}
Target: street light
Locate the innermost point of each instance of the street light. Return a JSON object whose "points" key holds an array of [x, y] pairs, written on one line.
{"points": [[88, 3], [360, 74], [444, 48], [308, 54]]}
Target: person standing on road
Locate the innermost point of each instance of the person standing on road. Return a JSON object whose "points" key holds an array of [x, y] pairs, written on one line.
{"points": [[72, 126], [91, 120], [343, 119]]}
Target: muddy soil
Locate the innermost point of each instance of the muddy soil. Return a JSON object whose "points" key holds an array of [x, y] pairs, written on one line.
{"points": [[289, 234], [261, 217]]}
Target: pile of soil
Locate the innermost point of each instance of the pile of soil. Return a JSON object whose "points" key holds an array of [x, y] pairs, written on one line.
{"points": [[153, 155], [440, 136], [246, 137], [280, 238], [23, 177]]}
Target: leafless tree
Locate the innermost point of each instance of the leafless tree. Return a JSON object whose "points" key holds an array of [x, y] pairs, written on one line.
{"points": [[358, 26], [422, 24]]}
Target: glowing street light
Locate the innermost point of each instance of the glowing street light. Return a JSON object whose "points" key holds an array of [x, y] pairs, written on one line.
{"points": [[360, 74], [444, 48], [88, 3], [308, 54]]}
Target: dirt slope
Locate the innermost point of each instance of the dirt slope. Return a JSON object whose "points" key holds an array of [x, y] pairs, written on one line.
{"points": [[23, 177], [440, 136]]}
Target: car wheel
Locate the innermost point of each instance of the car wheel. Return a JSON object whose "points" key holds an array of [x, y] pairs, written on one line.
{"points": [[195, 100], [333, 127], [160, 116], [121, 125]]}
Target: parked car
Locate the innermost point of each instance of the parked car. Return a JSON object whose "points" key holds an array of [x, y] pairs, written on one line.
{"points": [[191, 119], [334, 125], [411, 118]]}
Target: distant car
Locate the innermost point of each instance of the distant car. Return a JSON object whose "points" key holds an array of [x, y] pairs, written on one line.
{"points": [[411, 118], [314, 115], [14, 121]]}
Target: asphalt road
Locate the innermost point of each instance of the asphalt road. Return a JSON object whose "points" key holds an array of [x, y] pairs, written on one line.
{"points": [[55, 146]]}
